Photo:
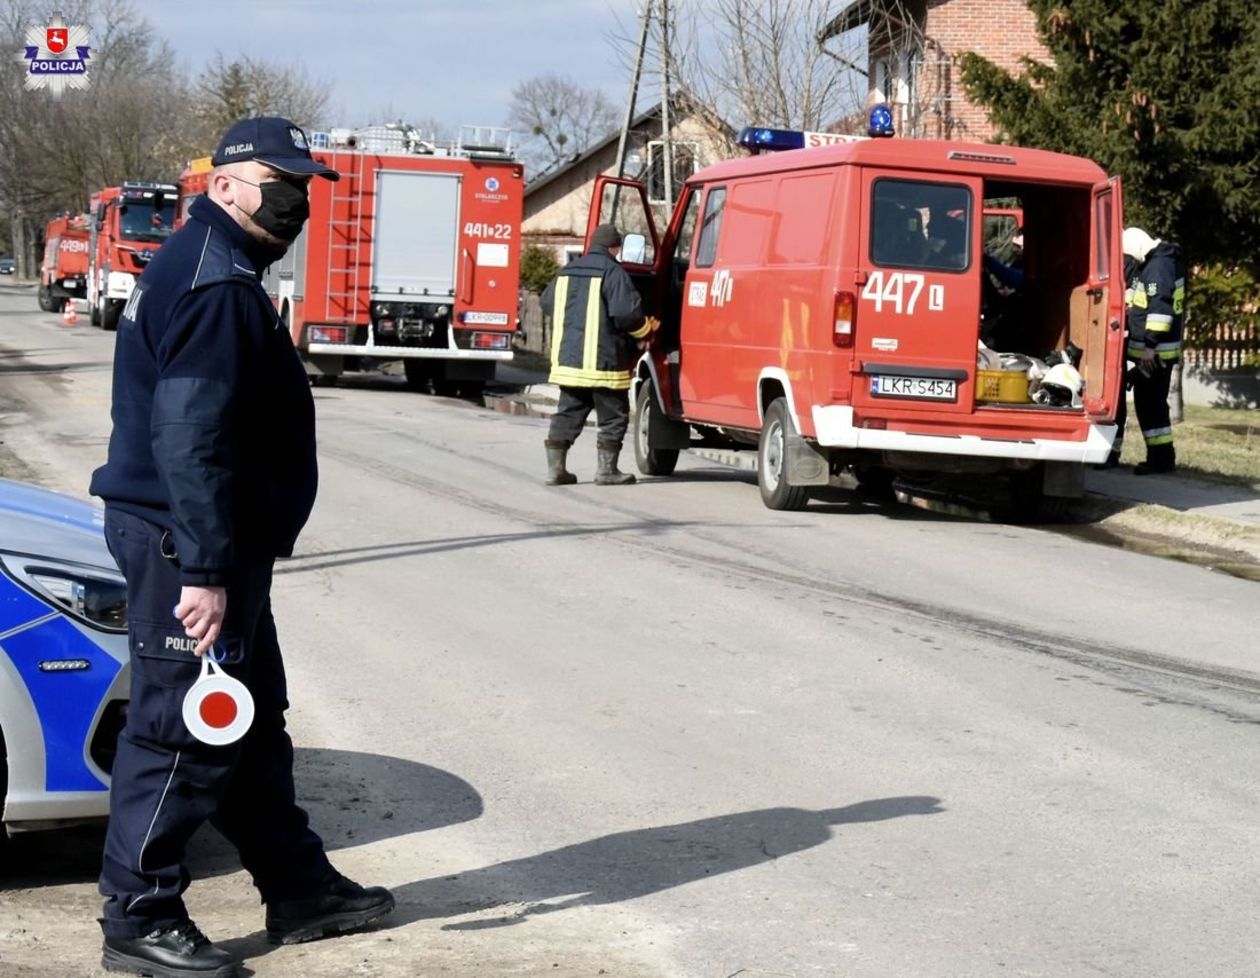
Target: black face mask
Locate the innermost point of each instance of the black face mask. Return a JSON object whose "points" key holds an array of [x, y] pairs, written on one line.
{"points": [[284, 209]]}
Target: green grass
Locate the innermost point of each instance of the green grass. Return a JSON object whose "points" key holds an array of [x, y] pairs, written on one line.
{"points": [[1217, 443]]}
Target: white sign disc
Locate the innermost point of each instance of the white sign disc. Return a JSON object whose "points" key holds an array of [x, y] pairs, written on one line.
{"points": [[217, 709]]}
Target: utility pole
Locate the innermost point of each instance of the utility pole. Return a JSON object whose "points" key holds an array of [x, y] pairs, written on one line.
{"points": [[646, 19], [666, 139]]}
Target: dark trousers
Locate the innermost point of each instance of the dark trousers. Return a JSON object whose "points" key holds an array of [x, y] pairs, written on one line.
{"points": [[612, 408], [165, 783], [1150, 403]]}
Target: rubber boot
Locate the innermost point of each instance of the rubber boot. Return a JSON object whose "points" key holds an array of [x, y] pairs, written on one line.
{"points": [[1159, 458], [557, 474], [606, 472]]}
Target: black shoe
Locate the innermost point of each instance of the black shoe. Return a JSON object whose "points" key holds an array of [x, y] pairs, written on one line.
{"points": [[178, 952], [1154, 468], [1113, 461], [340, 905]]}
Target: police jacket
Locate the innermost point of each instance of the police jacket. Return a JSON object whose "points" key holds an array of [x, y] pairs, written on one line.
{"points": [[214, 424], [596, 314], [1156, 297]]}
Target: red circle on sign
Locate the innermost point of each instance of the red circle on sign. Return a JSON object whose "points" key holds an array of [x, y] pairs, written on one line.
{"points": [[218, 710]]}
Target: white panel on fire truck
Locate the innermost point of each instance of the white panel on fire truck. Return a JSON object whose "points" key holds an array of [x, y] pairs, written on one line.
{"points": [[492, 255], [417, 226]]}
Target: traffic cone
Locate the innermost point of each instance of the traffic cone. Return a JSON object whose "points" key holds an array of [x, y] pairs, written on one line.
{"points": [[70, 315]]}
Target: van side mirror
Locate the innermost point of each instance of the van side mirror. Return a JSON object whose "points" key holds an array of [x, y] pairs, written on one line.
{"points": [[634, 248]]}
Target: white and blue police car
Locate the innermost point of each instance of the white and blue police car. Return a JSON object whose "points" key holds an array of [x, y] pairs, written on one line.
{"points": [[63, 659]]}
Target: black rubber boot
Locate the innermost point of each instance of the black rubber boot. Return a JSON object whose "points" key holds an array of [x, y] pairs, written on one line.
{"points": [[179, 952], [607, 473], [1159, 458], [557, 474], [339, 906]]}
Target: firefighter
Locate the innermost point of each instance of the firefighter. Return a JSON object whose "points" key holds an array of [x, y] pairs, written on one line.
{"points": [[210, 476], [597, 327], [1155, 294]]}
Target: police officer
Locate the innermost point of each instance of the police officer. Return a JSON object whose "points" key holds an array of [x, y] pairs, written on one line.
{"points": [[597, 320], [1155, 295], [210, 477]]}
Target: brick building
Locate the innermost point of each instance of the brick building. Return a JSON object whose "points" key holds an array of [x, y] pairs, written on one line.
{"points": [[913, 48]]}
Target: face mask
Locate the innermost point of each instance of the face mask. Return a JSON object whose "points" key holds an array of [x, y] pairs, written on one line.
{"points": [[284, 208]]}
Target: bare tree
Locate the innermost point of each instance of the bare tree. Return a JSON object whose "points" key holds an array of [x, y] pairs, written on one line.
{"points": [[558, 120], [229, 90], [759, 62]]}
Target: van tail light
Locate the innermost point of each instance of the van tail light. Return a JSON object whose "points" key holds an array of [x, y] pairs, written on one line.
{"points": [[846, 310]]}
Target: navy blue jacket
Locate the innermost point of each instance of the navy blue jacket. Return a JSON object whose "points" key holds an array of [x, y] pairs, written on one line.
{"points": [[214, 424]]}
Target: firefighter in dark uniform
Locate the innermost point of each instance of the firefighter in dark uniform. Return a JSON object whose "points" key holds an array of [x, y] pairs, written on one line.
{"points": [[211, 475], [1155, 294], [597, 326]]}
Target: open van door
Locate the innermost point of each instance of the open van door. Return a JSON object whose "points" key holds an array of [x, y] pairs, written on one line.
{"points": [[1101, 307], [624, 204]]}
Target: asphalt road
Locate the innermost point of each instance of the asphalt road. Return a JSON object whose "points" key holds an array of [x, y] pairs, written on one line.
{"points": [[660, 731]]}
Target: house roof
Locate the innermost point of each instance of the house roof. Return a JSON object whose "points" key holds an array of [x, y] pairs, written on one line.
{"points": [[550, 175], [680, 102], [854, 15]]}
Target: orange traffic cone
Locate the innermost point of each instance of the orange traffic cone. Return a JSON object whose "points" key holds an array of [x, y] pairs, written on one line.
{"points": [[70, 315]]}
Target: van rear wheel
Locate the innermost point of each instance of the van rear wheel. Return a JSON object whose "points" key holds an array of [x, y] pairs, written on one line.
{"points": [[651, 461], [772, 460]]}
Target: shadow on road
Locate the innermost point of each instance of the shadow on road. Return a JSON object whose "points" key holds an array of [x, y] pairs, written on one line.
{"points": [[623, 866], [352, 798]]}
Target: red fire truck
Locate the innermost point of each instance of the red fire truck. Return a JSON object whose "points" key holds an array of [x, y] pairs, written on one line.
{"points": [[413, 255], [63, 273], [128, 224], [831, 307]]}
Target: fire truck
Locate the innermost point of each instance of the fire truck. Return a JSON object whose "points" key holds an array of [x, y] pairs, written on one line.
{"points": [[193, 182], [128, 224], [832, 307], [63, 273], [414, 255]]}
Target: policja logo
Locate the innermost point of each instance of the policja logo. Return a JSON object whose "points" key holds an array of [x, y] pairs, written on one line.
{"points": [[218, 709], [47, 65]]}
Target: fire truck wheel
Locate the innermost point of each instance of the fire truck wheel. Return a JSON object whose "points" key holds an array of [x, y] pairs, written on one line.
{"points": [[95, 314], [651, 461], [418, 372], [772, 460], [46, 299], [109, 315]]}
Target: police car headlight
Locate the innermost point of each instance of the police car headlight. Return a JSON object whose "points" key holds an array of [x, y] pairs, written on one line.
{"points": [[99, 602]]}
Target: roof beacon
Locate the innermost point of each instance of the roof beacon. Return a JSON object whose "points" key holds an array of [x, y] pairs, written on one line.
{"points": [[770, 140], [880, 122]]}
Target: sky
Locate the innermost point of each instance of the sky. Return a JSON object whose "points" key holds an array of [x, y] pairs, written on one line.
{"points": [[455, 61]]}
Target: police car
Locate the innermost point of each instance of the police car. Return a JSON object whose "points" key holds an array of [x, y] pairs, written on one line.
{"points": [[63, 659]]}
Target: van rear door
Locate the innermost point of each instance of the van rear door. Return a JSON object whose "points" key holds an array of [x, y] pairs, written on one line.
{"points": [[918, 286]]}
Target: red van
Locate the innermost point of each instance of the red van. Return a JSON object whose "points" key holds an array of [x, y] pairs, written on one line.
{"points": [[833, 307]]}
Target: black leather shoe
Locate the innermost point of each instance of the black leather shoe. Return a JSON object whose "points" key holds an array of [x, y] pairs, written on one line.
{"points": [[1154, 468], [179, 952], [339, 906]]}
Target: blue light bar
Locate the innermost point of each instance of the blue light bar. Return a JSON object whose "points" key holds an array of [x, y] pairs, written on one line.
{"points": [[772, 140]]}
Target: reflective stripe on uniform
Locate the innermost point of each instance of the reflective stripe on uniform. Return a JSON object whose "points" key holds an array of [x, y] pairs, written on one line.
{"points": [[557, 316], [590, 338], [577, 377], [1158, 436], [1159, 323], [1164, 351]]}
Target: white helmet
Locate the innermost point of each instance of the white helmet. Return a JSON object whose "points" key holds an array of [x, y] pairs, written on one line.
{"points": [[1137, 244], [1061, 386]]}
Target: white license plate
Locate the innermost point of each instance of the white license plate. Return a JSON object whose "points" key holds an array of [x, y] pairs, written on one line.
{"points": [[929, 388], [485, 319]]}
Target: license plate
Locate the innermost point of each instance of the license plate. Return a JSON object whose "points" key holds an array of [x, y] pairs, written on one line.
{"points": [[928, 388], [485, 318]]}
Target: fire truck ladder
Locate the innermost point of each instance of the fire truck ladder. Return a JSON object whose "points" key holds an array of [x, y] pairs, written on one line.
{"points": [[346, 236]]}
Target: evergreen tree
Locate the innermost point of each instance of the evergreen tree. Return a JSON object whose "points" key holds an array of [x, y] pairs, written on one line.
{"points": [[1162, 92]]}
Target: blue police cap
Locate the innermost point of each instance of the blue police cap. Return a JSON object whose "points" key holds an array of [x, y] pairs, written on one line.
{"points": [[276, 142]]}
